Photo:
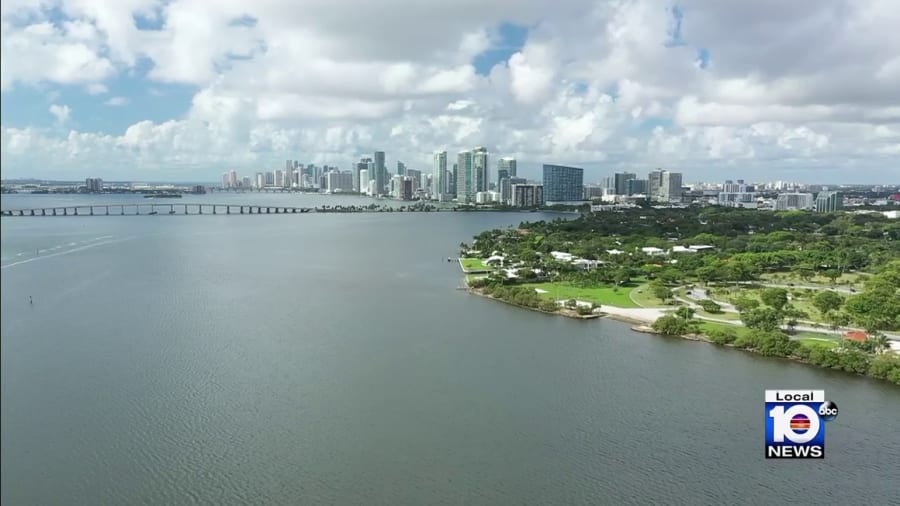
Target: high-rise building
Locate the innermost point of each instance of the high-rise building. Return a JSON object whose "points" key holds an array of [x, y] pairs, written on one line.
{"points": [[279, 178], [465, 178], [451, 181], [506, 169], [563, 184], [226, 181], [506, 194], [380, 176], [670, 191], [93, 184], [364, 181], [245, 182], [621, 182], [270, 178], [361, 184], [793, 201], [401, 168], [480, 167], [654, 183], [416, 177], [339, 181], [439, 176], [506, 165], [527, 195], [829, 202], [260, 180], [232, 179], [636, 187]]}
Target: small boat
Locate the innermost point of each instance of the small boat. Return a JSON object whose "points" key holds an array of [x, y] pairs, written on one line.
{"points": [[152, 212], [172, 211]]}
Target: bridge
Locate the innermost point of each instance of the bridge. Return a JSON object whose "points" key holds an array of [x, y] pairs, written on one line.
{"points": [[149, 209]]}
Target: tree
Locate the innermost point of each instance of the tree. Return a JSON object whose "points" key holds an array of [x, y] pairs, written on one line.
{"points": [[710, 306], [775, 298], [826, 301], [661, 292], [762, 318], [837, 319], [832, 274], [744, 303], [671, 325], [684, 313]]}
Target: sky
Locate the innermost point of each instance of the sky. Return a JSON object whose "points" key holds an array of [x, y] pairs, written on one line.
{"points": [[183, 90]]}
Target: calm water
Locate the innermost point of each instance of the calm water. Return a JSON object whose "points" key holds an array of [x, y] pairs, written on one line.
{"points": [[309, 359]]}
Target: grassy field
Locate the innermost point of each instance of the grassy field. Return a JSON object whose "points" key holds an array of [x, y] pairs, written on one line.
{"points": [[474, 264], [802, 302], [813, 342], [724, 315], [643, 296], [473, 277], [599, 295]]}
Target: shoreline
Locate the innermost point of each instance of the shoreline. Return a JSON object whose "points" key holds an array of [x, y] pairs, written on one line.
{"points": [[643, 326]]}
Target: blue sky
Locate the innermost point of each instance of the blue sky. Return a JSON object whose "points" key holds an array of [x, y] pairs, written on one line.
{"points": [[707, 88]]}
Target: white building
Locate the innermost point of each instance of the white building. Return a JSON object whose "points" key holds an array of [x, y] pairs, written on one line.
{"points": [[794, 201], [653, 251], [439, 176]]}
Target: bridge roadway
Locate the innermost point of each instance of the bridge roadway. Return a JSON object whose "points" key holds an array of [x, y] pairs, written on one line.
{"points": [[153, 209]]}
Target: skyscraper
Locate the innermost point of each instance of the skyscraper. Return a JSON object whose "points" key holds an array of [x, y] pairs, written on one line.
{"points": [[380, 176], [828, 202], [621, 182], [480, 167], [439, 176], [563, 184], [260, 180], [465, 178], [451, 182], [506, 167], [362, 184], [401, 168], [671, 187], [654, 183]]}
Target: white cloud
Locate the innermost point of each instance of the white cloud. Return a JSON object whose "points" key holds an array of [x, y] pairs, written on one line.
{"points": [[310, 79], [117, 101], [60, 112]]}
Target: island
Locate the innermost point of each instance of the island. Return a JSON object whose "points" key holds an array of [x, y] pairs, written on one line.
{"points": [[818, 288]]}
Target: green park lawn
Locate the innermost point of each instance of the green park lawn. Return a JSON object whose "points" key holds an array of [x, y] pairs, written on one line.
{"points": [[848, 279], [473, 264], [599, 295], [473, 277], [643, 296]]}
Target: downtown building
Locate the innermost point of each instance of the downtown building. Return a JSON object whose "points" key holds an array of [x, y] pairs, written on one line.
{"points": [[829, 202], [439, 183], [93, 184], [794, 201], [527, 195], [664, 186], [465, 178], [380, 174], [506, 169], [563, 184], [480, 168]]}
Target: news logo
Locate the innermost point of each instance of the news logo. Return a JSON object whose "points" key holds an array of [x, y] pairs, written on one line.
{"points": [[795, 423]]}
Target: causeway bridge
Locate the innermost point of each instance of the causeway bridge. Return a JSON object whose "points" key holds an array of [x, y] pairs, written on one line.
{"points": [[150, 209]]}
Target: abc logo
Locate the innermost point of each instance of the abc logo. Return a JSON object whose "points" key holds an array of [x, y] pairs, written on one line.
{"points": [[828, 411]]}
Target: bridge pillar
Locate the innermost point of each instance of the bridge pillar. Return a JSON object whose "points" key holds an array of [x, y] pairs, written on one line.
{"points": [[54, 212], [227, 209], [214, 209], [65, 211], [43, 212], [122, 210], [242, 209], [92, 210], [201, 208], [185, 209], [107, 210]]}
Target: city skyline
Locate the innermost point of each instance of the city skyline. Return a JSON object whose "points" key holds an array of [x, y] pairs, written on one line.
{"points": [[711, 90]]}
